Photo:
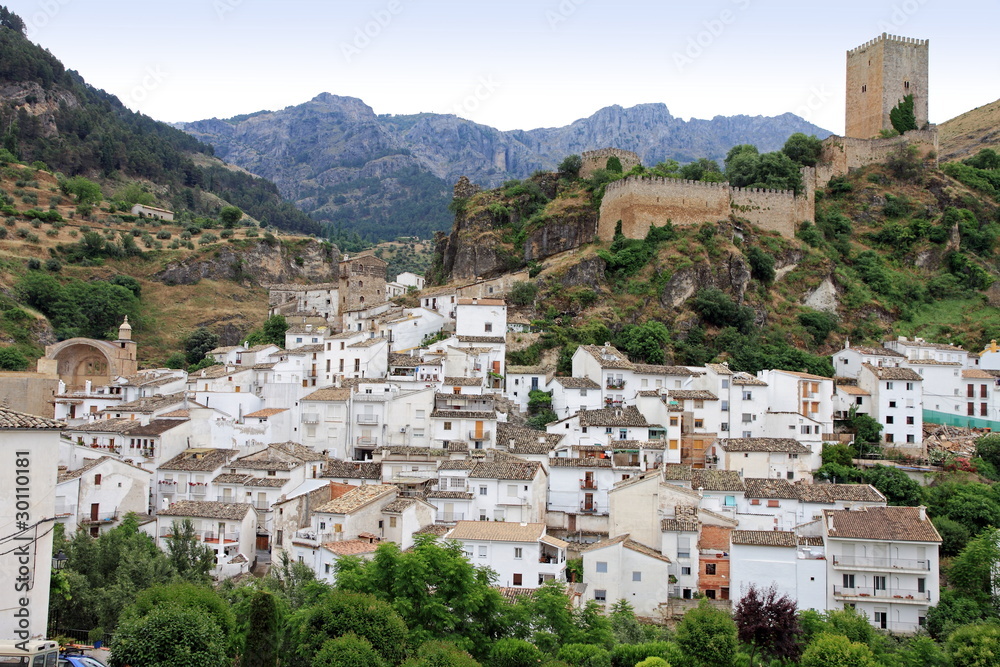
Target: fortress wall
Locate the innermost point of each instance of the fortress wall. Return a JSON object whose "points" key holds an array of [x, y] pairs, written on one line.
{"points": [[776, 210], [847, 153], [594, 160], [641, 202]]}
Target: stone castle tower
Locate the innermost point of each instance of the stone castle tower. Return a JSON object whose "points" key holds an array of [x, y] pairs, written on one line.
{"points": [[879, 74]]}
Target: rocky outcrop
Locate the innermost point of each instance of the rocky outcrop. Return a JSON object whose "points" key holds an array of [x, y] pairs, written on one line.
{"points": [[574, 227], [588, 272], [731, 275], [260, 263], [823, 298], [38, 102]]}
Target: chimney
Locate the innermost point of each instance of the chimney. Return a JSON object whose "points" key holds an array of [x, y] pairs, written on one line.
{"points": [[923, 512], [829, 522]]}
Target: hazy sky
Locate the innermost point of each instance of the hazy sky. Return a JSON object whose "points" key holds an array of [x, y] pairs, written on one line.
{"points": [[516, 64]]}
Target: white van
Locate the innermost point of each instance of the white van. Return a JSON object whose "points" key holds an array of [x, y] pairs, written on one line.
{"points": [[39, 653]]}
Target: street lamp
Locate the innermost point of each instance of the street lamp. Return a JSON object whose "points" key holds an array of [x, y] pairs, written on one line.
{"points": [[59, 560]]}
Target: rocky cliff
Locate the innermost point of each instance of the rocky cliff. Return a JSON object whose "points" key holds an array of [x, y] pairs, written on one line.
{"points": [[258, 263], [385, 176]]}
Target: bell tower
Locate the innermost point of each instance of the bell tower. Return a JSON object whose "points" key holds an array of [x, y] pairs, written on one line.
{"points": [[880, 73]]}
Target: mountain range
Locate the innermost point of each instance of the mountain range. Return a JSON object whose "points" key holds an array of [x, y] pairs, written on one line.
{"points": [[390, 175]]}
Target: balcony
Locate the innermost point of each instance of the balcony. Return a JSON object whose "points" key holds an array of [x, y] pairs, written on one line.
{"points": [[857, 563], [480, 435], [312, 537], [197, 488], [588, 484], [311, 418], [102, 517], [615, 384], [367, 441], [450, 517], [368, 419], [588, 508], [897, 595], [261, 505], [372, 398], [213, 537], [167, 484]]}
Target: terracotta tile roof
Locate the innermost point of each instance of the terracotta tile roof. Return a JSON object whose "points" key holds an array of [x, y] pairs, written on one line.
{"points": [[278, 456], [804, 376], [176, 413], [577, 383], [458, 464], [433, 529], [105, 426], [851, 390], [481, 302], [652, 369], [976, 374], [351, 547], [352, 469], [529, 370], [628, 543], [810, 541], [584, 462], [720, 369], [369, 342], [831, 493], [89, 465], [266, 412], [748, 380], [786, 445], [677, 472], [648, 393], [628, 416], [716, 480], [403, 360], [410, 450], [608, 356], [513, 594], [155, 427], [873, 351], [232, 478], [522, 440], [930, 362], [150, 404], [266, 482], [450, 495], [507, 470], [464, 414], [692, 394], [758, 487], [893, 373], [932, 346], [203, 460], [305, 349], [482, 339], [497, 531], [685, 520], [463, 382], [398, 505], [764, 538], [207, 509], [897, 524], [329, 394], [357, 498]]}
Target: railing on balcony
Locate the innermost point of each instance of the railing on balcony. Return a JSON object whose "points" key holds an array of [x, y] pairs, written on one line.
{"points": [[167, 482], [308, 535], [102, 517], [262, 505], [615, 384], [372, 398], [882, 563], [903, 594], [588, 484], [310, 418], [226, 499], [450, 517], [367, 441], [216, 537], [480, 435], [551, 559], [588, 507], [197, 488], [368, 419], [398, 373]]}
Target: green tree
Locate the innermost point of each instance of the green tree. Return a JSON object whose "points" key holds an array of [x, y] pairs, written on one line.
{"points": [[866, 429], [761, 265], [975, 645], [701, 169], [614, 165], [988, 449], [338, 613], [230, 216], [819, 325], [11, 359], [192, 558], [627, 655], [645, 342], [571, 166], [921, 651], [708, 636], [975, 572], [260, 648], [440, 654], [199, 343], [83, 190], [523, 293], [653, 662], [902, 116], [803, 149], [894, 484], [954, 536], [510, 652], [349, 650], [624, 624], [584, 655], [829, 650], [168, 636]]}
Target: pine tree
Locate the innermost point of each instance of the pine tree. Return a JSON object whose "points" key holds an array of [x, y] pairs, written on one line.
{"points": [[262, 633]]}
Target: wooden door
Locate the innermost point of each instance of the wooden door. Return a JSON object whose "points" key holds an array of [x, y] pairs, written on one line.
{"points": [[95, 510]]}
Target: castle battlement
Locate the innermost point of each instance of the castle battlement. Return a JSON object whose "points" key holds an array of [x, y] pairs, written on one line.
{"points": [[894, 39], [598, 159], [628, 181]]}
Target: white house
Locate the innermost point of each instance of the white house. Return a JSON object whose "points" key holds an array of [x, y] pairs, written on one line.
{"points": [[521, 554], [100, 493], [794, 565], [622, 569], [229, 529], [848, 362], [783, 458], [897, 402]]}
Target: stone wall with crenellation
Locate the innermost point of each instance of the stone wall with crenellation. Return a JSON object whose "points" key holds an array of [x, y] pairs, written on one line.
{"points": [[594, 160]]}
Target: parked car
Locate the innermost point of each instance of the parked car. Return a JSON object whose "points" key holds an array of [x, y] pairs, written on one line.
{"points": [[78, 660]]}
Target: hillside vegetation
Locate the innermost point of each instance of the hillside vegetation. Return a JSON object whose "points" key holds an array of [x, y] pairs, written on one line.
{"points": [[899, 248]]}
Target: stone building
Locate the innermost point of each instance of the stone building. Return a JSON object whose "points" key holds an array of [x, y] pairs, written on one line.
{"points": [[361, 282], [880, 73], [82, 360]]}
